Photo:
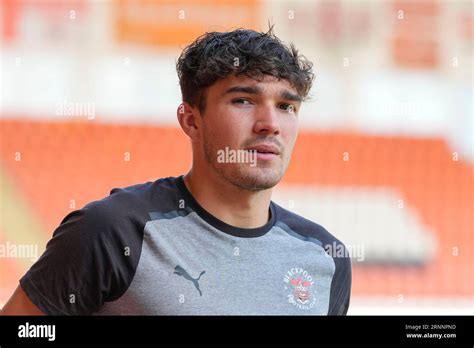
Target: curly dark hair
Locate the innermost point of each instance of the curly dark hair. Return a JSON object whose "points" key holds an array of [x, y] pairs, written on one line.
{"points": [[216, 55]]}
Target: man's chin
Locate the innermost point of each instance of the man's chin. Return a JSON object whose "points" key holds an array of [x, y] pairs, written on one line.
{"points": [[256, 179]]}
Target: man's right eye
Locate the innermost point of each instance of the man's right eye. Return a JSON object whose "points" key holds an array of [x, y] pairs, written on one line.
{"points": [[240, 101]]}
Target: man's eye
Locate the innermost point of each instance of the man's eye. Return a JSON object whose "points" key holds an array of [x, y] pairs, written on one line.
{"points": [[287, 107], [240, 101]]}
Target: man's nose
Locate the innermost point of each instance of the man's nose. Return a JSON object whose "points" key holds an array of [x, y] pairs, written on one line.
{"points": [[267, 120]]}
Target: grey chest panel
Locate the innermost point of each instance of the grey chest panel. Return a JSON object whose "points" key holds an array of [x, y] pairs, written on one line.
{"points": [[188, 267]]}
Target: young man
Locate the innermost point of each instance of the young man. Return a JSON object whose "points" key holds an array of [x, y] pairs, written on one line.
{"points": [[211, 241]]}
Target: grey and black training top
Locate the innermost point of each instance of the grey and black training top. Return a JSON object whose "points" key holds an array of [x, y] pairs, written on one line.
{"points": [[151, 249]]}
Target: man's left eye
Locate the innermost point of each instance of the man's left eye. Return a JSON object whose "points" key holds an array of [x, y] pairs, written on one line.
{"points": [[287, 107], [241, 101]]}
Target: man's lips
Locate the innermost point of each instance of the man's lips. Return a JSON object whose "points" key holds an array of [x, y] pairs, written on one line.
{"points": [[264, 149]]}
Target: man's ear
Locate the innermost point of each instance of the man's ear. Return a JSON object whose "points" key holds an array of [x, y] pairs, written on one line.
{"points": [[190, 120]]}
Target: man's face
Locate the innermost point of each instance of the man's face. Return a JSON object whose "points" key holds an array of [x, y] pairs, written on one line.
{"points": [[254, 121]]}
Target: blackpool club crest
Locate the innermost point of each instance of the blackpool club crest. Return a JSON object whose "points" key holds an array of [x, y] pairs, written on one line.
{"points": [[299, 284]]}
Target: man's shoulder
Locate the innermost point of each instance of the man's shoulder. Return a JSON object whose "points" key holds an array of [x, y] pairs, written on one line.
{"points": [[130, 203], [305, 228], [135, 196]]}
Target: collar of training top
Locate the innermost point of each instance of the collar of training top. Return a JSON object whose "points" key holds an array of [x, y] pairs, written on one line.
{"points": [[221, 225]]}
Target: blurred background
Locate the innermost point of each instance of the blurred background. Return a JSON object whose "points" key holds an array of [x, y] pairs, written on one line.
{"points": [[384, 159]]}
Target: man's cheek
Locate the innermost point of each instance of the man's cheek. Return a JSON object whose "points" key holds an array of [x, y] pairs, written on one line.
{"points": [[289, 148]]}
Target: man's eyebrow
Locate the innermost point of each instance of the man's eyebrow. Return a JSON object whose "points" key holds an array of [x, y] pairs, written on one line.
{"points": [[257, 90], [290, 96], [244, 89]]}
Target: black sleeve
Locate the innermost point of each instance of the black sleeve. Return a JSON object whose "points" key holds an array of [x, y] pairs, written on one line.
{"points": [[91, 259], [341, 286]]}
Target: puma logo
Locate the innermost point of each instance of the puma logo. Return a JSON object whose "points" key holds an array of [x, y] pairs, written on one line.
{"points": [[182, 272]]}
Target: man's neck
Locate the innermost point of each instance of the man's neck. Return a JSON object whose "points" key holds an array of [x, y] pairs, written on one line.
{"points": [[228, 203]]}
